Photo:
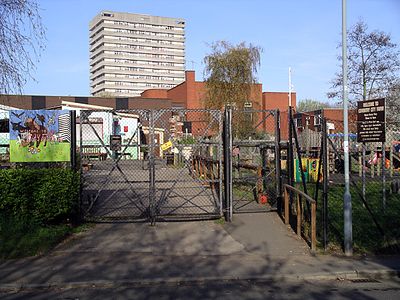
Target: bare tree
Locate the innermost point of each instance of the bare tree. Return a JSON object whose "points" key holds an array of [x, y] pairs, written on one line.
{"points": [[393, 105], [230, 72], [373, 64], [22, 37]]}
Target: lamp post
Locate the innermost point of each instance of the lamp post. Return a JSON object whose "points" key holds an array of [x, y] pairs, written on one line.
{"points": [[347, 210]]}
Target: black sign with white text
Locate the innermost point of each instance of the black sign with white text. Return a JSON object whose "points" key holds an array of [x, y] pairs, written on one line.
{"points": [[371, 121]]}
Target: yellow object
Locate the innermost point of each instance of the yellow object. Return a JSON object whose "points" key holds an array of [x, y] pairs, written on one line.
{"points": [[313, 165], [166, 145], [297, 171]]}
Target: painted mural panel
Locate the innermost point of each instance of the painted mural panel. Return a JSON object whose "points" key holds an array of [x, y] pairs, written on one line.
{"points": [[40, 135]]}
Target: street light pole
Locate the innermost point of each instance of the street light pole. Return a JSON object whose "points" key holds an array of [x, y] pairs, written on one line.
{"points": [[347, 210]]}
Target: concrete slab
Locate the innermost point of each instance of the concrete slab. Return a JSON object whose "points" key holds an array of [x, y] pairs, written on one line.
{"points": [[254, 246]]}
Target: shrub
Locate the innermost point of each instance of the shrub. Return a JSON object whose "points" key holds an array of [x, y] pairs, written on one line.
{"points": [[44, 195]]}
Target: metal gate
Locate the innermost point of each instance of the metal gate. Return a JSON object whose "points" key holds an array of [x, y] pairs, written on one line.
{"points": [[254, 156], [150, 164]]}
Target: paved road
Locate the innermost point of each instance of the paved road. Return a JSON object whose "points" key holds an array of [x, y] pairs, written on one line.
{"points": [[193, 259], [233, 289], [124, 193]]}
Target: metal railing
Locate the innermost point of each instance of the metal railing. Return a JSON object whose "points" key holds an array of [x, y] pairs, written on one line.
{"points": [[299, 196]]}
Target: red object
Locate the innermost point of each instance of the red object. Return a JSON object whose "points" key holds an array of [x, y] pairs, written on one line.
{"points": [[263, 199], [125, 128]]}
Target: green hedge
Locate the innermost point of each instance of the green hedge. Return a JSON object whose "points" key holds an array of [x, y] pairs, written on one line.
{"points": [[46, 196]]}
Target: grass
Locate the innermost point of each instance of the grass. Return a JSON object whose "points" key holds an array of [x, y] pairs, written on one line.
{"points": [[366, 235], [50, 152], [220, 221], [367, 238], [22, 238]]}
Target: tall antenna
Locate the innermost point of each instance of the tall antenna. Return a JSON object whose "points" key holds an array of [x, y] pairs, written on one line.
{"points": [[290, 87]]}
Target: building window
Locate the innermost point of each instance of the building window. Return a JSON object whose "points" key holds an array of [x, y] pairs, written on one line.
{"points": [[317, 119], [298, 120]]}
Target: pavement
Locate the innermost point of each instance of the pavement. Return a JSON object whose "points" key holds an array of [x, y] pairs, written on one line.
{"points": [[252, 247]]}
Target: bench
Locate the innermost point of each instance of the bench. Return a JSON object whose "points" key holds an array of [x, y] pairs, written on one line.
{"points": [[89, 152]]}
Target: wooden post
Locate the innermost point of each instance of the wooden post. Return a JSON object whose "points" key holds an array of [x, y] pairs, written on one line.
{"points": [[378, 167], [259, 180], [313, 226], [391, 160], [286, 196], [205, 164], [201, 167], [212, 175], [299, 215]]}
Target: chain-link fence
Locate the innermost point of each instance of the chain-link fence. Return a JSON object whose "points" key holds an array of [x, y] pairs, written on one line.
{"points": [[151, 164], [374, 186], [255, 135], [317, 144]]}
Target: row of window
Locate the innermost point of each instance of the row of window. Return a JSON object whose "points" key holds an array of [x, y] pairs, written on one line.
{"points": [[140, 47], [144, 77], [125, 53], [143, 70], [137, 84], [299, 121], [143, 25], [132, 91], [136, 40], [143, 62], [149, 33], [141, 40]]}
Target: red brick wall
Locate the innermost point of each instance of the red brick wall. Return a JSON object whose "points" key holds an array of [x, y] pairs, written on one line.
{"points": [[155, 93], [22, 102], [335, 116], [278, 100]]}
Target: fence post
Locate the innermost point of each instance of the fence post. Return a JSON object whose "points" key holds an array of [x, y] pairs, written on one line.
{"points": [[325, 171], [278, 176], [313, 226], [384, 176], [72, 115], [290, 149], [228, 163], [391, 160], [299, 214], [286, 197], [151, 169], [81, 118], [363, 166]]}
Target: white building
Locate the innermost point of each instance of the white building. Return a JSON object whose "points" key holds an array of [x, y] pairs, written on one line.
{"points": [[130, 53], [4, 129], [104, 124]]}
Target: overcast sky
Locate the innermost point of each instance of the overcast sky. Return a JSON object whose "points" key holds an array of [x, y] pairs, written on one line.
{"points": [[301, 34]]}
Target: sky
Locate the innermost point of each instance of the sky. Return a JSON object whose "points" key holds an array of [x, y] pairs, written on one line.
{"points": [[301, 34]]}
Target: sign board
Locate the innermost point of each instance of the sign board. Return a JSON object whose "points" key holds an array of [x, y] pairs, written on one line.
{"points": [[371, 121], [166, 145], [115, 142], [40, 135]]}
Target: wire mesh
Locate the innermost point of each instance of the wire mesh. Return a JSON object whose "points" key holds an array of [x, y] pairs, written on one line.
{"points": [[254, 160], [374, 187], [141, 164]]}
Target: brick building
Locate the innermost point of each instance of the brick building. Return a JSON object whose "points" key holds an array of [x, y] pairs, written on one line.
{"points": [[189, 94], [130, 53], [334, 119]]}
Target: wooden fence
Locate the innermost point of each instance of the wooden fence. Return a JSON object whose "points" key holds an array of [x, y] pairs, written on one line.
{"points": [[301, 197]]}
